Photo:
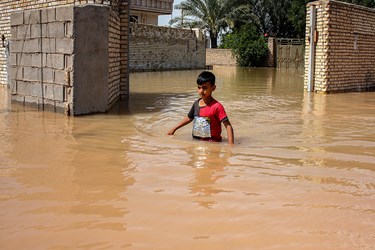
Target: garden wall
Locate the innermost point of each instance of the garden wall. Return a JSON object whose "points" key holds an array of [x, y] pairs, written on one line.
{"points": [[222, 57], [225, 57], [162, 48]]}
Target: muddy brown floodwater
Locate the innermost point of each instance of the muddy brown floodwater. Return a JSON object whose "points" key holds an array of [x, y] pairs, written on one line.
{"points": [[300, 176]]}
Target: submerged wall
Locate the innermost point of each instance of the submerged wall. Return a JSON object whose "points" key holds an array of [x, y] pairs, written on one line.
{"points": [[345, 47], [162, 48], [65, 58]]}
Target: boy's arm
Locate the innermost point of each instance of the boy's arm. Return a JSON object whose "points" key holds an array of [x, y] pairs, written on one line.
{"points": [[184, 122], [230, 132]]}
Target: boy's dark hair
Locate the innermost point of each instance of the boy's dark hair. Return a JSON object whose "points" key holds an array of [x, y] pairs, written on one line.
{"points": [[206, 76]]}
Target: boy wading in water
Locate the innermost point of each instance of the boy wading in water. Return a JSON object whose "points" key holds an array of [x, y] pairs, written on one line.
{"points": [[206, 113]]}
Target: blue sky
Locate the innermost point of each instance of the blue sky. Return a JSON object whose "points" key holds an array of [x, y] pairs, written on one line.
{"points": [[164, 19]]}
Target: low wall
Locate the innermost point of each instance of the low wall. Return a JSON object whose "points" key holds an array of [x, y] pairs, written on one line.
{"points": [[345, 47], [162, 48], [223, 57]]}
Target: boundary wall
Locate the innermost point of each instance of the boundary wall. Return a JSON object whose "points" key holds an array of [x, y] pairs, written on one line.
{"points": [[47, 52], [220, 57], [282, 52], [344, 58], [163, 48]]}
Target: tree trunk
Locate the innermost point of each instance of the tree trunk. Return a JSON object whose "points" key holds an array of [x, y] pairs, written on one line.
{"points": [[213, 38]]}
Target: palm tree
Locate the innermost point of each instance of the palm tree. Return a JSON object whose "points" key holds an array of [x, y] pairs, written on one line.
{"points": [[209, 15]]}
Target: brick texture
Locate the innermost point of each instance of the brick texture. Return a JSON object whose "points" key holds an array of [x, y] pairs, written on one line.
{"points": [[53, 50], [345, 50]]}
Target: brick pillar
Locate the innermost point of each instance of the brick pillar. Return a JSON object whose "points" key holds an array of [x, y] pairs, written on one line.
{"points": [[60, 58], [271, 57], [124, 49]]}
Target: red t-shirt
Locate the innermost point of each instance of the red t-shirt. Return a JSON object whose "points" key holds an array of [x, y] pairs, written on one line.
{"points": [[216, 114]]}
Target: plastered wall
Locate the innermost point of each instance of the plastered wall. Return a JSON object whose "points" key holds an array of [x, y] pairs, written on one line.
{"points": [[163, 48], [220, 57]]}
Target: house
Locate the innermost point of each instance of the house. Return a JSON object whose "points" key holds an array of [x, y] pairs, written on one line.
{"points": [[148, 11]]}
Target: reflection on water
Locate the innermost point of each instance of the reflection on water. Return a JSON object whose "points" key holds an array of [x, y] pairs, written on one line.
{"points": [[300, 176]]}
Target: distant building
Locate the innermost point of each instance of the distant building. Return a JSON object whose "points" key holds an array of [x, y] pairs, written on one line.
{"points": [[148, 11]]}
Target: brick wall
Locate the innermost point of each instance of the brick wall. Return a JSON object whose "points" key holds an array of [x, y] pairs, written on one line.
{"points": [[272, 52], [163, 48], [117, 38], [122, 55], [41, 51], [345, 50], [9, 6]]}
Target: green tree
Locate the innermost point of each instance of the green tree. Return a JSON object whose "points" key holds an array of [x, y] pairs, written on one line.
{"points": [[249, 48], [273, 17], [241, 15], [279, 24], [209, 15], [297, 16]]}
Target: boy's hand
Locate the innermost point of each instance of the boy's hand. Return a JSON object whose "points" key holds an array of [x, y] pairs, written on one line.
{"points": [[184, 121], [171, 132], [230, 132]]}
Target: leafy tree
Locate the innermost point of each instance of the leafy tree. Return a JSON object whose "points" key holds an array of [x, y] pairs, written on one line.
{"points": [[249, 48], [204, 14], [210, 15], [241, 15], [270, 16], [279, 25], [297, 16]]}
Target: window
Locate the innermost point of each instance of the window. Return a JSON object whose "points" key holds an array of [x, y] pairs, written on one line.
{"points": [[133, 19]]}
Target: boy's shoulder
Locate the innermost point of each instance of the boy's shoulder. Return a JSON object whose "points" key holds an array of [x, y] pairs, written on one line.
{"points": [[215, 102]]}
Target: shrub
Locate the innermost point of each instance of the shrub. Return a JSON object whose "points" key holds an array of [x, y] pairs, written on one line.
{"points": [[249, 48]]}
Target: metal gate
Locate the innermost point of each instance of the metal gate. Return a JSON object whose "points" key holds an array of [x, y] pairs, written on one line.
{"points": [[290, 53]]}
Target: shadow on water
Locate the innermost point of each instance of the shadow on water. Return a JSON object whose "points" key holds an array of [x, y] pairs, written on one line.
{"points": [[145, 103]]}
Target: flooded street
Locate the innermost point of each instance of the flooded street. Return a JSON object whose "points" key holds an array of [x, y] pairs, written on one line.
{"points": [[301, 174]]}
